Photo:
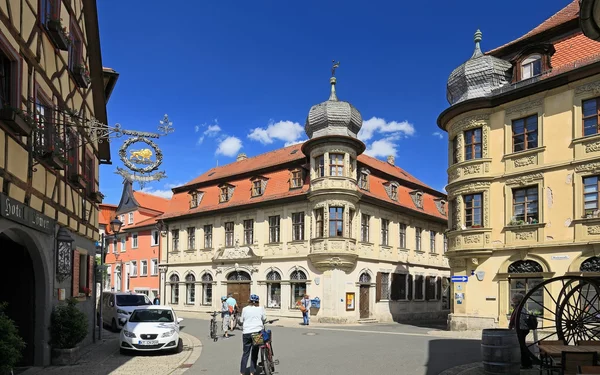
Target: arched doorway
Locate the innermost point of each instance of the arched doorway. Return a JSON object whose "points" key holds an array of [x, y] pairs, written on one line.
{"points": [[238, 284], [21, 285], [365, 284], [524, 275]]}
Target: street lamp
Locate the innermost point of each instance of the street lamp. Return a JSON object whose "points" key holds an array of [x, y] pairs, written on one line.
{"points": [[115, 227]]}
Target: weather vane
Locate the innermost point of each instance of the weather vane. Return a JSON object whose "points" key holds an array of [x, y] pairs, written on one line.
{"points": [[335, 66]]}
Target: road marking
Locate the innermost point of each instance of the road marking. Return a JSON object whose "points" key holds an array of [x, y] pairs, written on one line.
{"points": [[387, 333]]}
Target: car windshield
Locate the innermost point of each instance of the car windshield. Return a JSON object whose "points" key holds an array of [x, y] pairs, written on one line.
{"points": [[151, 316], [132, 300]]}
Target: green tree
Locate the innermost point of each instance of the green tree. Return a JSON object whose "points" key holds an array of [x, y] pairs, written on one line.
{"points": [[68, 325]]}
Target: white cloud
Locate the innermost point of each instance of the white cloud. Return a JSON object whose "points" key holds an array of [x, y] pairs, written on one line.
{"points": [[381, 148], [286, 131], [211, 131], [378, 125], [167, 193], [229, 146], [438, 134], [197, 128]]}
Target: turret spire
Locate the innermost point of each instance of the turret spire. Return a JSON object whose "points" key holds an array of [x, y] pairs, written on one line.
{"points": [[333, 80], [477, 39]]}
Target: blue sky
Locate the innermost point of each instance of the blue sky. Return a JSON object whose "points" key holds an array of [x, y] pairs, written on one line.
{"points": [[241, 76]]}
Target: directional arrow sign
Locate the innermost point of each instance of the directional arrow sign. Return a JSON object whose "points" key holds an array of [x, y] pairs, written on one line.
{"points": [[459, 279]]}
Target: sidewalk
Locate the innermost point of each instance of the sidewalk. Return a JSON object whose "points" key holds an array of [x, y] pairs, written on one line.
{"points": [[104, 358], [477, 369]]}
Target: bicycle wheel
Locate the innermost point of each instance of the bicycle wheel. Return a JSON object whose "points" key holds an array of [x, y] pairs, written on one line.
{"points": [[267, 360], [213, 329]]}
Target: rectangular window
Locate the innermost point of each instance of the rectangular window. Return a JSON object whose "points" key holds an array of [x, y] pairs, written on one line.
{"points": [[191, 232], [591, 113], [432, 241], [274, 295], [83, 273], [229, 234], [224, 196], [193, 199], [336, 222], [123, 243], [398, 290], [351, 224], [383, 286], [208, 236], [336, 165], [49, 11], [175, 235], [525, 133], [298, 226], [419, 286], [248, 232], [6, 81], [590, 195], [402, 236], [319, 223], [418, 238], [525, 204], [75, 48], [257, 188], [473, 144], [155, 238], [394, 192], [131, 218], [535, 303], [72, 165], [455, 150], [274, 229], [320, 165], [364, 227], [154, 267], [144, 268], [385, 226], [134, 240], [115, 245], [531, 69], [473, 210], [363, 182], [45, 136], [296, 179], [134, 268]]}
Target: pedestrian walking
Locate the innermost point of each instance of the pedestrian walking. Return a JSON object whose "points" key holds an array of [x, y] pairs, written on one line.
{"points": [[305, 308], [156, 300], [233, 311], [226, 315], [526, 362], [253, 319]]}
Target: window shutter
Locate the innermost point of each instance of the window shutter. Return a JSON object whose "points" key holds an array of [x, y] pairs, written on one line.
{"points": [[394, 289], [75, 277], [428, 288], [438, 284], [90, 281], [378, 287], [410, 288]]}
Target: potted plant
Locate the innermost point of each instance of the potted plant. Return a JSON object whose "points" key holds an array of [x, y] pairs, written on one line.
{"points": [[96, 196], [11, 344], [58, 33], [68, 327], [78, 180], [52, 150], [87, 291], [82, 75], [20, 122]]}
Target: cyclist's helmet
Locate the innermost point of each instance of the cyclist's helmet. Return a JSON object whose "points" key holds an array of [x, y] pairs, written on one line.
{"points": [[223, 298], [254, 298]]}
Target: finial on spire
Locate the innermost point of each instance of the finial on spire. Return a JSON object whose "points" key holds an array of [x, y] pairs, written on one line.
{"points": [[477, 39], [334, 67], [333, 80]]}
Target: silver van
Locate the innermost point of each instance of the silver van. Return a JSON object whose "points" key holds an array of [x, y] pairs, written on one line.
{"points": [[117, 306]]}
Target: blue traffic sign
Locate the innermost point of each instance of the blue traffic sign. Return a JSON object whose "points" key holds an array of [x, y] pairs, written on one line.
{"points": [[459, 279]]}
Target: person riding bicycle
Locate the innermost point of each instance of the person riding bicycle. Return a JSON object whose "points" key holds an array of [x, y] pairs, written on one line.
{"points": [[226, 315], [253, 319]]}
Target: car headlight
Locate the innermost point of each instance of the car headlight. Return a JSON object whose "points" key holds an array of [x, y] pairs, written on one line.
{"points": [[119, 311], [126, 333], [168, 333]]}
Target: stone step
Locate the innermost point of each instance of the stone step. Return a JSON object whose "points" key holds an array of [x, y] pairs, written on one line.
{"points": [[368, 321]]}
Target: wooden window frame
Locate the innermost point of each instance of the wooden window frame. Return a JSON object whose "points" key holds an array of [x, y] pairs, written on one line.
{"points": [[531, 56], [402, 235], [229, 227], [320, 165], [53, 7], [432, 244], [364, 227], [175, 239], [471, 143], [418, 233], [339, 163], [596, 115], [275, 229], [224, 194], [76, 56], [248, 231], [135, 240], [336, 220], [470, 210], [526, 203], [296, 179], [399, 287], [208, 232], [298, 226], [363, 181], [526, 133], [419, 290], [380, 294], [385, 232], [193, 199], [13, 84], [191, 232], [257, 187]]}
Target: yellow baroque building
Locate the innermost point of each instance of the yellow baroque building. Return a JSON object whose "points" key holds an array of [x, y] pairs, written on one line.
{"points": [[524, 168]]}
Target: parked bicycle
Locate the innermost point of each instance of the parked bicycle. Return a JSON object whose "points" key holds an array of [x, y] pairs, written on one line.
{"points": [[264, 340], [213, 325], [234, 321]]}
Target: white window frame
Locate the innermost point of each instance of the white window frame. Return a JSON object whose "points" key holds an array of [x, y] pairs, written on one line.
{"points": [[130, 218], [155, 235], [123, 243], [154, 264], [142, 263], [133, 268], [527, 66], [122, 219], [134, 240]]}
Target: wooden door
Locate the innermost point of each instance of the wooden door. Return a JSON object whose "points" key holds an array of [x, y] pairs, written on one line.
{"points": [[241, 293], [364, 301]]}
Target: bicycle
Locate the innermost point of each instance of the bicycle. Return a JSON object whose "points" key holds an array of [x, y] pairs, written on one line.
{"points": [[213, 325], [264, 340]]}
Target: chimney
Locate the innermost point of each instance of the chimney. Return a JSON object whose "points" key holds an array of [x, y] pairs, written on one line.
{"points": [[241, 156], [391, 159]]}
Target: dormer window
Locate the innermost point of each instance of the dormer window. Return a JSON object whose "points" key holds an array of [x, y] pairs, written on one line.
{"points": [[226, 191], [363, 180], [531, 66], [394, 192], [259, 184], [417, 197], [193, 199], [440, 204], [296, 180]]}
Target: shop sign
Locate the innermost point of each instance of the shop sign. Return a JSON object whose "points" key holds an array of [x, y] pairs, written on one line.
{"points": [[20, 213]]}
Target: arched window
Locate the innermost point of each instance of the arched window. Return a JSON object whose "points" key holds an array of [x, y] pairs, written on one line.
{"points": [[190, 289], [531, 66], [239, 276], [274, 290], [207, 281], [364, 278], [522, 284], [174, 281], [298, 284], [590, 265]]}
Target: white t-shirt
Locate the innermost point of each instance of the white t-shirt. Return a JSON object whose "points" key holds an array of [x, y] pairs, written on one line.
{"points": [[253, 318]]}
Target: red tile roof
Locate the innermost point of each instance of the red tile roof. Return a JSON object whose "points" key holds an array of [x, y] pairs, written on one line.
{"points": [[106, 214], [568, 13], [278, 186], [143, 223], [151, 202]]}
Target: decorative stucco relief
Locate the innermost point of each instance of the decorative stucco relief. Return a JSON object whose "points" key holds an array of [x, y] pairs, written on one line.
{"points": [[459, 147], [524, 108], [592, 147], [456, 262], [471, 169], [524, 180], [524, 236], [589, 167], [484, 143], [457, 212], [470, 122], [595, 229], [522, 162], [472, 239], [454, 174], [592, 88], [469, 188], [487, 238]]}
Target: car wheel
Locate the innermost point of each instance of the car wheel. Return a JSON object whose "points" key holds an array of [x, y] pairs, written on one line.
{"points": [[179, 347], [113, 325]]}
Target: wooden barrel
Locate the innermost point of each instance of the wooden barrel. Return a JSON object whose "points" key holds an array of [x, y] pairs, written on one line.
{"points": [[500, 351]]}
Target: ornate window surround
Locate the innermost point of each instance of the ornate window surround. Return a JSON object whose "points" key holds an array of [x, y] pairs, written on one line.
{"points": [[528, 232], [529, 158], [325, 204], [476, 167], [471, 188], [590, 145], [584, 227]]}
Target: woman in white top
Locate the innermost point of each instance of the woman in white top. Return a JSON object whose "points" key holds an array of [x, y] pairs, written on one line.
{"points": [[253, 319]]}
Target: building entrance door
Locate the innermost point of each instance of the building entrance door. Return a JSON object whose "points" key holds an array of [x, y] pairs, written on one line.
{"points": [[241, 293], [364, 301]]}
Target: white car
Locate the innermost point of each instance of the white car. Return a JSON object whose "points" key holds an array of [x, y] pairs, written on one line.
{"points": [[151, 328]]}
